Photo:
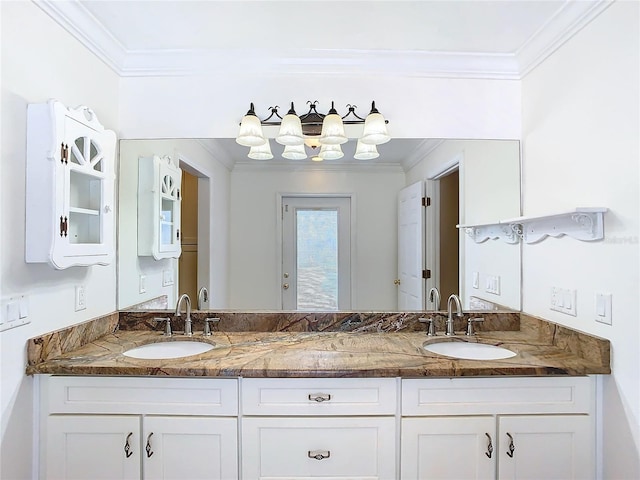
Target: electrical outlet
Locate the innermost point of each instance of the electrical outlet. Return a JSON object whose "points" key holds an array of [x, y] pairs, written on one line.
{"points": [[81, 299], [143, 284], [476, 280], [167, 278], [563, 300]]}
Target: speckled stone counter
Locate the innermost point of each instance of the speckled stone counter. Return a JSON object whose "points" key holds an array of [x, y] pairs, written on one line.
{"points": [[281, 344]]}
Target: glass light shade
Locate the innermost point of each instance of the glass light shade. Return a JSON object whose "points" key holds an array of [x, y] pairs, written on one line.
{"points": [[290, 132], [375, 130], [330, 152], [332, 130], [261, 152], [365, 152], [294, 152], [250, 134]]}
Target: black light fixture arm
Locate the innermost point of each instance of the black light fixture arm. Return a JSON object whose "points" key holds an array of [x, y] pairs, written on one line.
{"points": [[313, 117]]}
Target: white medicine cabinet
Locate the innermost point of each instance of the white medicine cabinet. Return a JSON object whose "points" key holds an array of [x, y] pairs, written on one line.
{"points": [[69, 187], [159, 183]]}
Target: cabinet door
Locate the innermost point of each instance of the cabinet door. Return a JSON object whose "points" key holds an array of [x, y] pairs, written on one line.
{"points": [[194, 448], [97, 447], [87, 192], [312, 448], [457, 448], [170, 200], [550, 447]]}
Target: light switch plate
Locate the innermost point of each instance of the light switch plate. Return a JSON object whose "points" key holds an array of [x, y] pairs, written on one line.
{"points": [[603, 308], [563, 300]]}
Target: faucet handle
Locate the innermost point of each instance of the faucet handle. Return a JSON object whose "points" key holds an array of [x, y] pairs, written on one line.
{"points": [[167, 327], [207, 327], [431, 329], [470, 323]]}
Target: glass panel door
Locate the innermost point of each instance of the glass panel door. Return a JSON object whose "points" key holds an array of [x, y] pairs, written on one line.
{"points": [[316, 252]]}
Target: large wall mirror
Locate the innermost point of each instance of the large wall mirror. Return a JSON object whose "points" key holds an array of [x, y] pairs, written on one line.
{"points": [[232, 221]]}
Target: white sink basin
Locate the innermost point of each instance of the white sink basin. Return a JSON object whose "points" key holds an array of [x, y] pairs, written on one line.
{"points": [[469, 351], [168, 350]]}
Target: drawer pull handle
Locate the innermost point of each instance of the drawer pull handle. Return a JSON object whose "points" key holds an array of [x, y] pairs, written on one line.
{"points": [[489, 451], [320, 397], [127, 446], [148, 447], [511, 445], [319, 454]]}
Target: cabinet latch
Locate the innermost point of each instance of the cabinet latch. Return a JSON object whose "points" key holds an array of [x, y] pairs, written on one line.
{"points": [[64, 153], [64, 225], [178, 234], [426, 274]]}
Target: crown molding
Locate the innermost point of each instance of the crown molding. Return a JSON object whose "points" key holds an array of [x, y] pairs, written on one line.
{"points": [[421, 151], [568, 20], [309, 166], [81, 24], [217, 153]]}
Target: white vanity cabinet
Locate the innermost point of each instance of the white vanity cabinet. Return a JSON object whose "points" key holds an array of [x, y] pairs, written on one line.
{"points": [[159, 199], [138, 428], [105, 447], [69, 187], [334, 428], [505, 428]]}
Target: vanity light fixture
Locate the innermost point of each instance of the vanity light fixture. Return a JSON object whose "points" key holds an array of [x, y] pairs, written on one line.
{"points": [[314, 130]]}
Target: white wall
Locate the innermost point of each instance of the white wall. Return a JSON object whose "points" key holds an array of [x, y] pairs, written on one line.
{"points": [[212, 106], [40, 61], [489, 191], [215, 193], [254, 280], [580, 148]]}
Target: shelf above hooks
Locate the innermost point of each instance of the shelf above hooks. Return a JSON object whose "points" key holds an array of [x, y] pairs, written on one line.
{"points": [[583, 223]]}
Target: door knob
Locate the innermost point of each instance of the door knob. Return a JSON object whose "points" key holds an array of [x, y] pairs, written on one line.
{"points": [[396, 281], [285, 286]]}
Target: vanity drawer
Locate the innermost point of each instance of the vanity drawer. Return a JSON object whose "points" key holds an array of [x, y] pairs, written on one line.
{"points": [[345, 448], [319, 396], [497, 395], [151, 395]]}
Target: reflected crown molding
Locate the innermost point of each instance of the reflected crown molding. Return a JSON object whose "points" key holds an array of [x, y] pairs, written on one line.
{"points": [[81, 24]]}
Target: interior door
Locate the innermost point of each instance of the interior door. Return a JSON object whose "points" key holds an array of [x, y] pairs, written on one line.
{"points": [[411, 289], [316, 253]]}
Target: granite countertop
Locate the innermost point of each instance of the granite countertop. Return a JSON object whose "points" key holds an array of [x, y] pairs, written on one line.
{"points": [[391, 347]]}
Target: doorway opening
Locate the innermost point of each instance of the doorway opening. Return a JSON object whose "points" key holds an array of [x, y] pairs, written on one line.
{"points": [[194, 263], [442, 244], [188, 261], [316, 253]]}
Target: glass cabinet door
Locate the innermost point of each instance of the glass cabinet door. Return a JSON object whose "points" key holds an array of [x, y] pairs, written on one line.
{"points": [[169, 212]]}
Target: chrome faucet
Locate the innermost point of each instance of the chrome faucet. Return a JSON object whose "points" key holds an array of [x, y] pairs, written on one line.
{"points": [[203, 296], [187, 322], [455, 299], [434, 297]]}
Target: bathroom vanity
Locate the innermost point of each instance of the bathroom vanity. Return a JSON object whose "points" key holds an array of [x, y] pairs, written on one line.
{"points": [[368, 403]]}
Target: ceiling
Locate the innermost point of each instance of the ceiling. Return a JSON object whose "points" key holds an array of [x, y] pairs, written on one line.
{"points": [[443, 38], [497, 39]]}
